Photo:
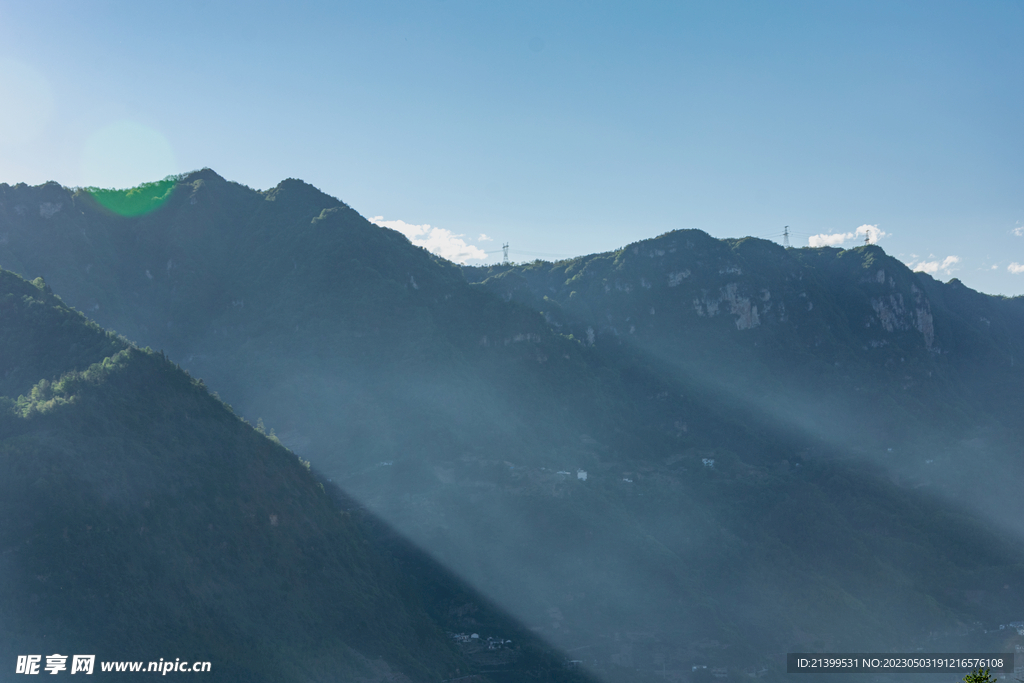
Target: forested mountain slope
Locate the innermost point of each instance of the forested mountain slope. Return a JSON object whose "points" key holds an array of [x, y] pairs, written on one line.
{"points": [[644, 491], [141, 519], [848, 347]]}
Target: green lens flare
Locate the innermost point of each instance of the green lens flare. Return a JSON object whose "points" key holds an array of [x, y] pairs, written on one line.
{"points": [[137, 201]]}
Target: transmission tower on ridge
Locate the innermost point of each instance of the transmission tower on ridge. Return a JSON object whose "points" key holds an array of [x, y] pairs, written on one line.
{"points": [[504, 249], [785, 236]]}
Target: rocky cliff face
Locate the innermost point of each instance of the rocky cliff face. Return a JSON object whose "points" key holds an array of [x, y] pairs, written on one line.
{"points": [[648, 288]]}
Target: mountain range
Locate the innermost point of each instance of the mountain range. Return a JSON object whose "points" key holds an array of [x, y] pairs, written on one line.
{"points": [[686, 452]]}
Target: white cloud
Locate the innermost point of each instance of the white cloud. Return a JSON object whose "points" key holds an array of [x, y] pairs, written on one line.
{"points": [[995, 267], [435, 240], [829, 240], [1019, 231], [834, 239], [1015, 268], [871, 232], [932, 267], [484, 238]]}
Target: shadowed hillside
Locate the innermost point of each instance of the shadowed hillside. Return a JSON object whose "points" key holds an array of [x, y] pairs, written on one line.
{"points": [[140, 518]]}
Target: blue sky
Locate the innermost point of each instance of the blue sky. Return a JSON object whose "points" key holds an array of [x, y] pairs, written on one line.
{"points": [[561, 128]]}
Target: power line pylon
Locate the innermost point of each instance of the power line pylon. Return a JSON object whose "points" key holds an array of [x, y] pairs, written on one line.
{"points": [[785, 237], [504, 249]]}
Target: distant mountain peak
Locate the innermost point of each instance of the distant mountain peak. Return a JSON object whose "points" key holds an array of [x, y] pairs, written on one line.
{"points": [[295, 190], [205, 174]]}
